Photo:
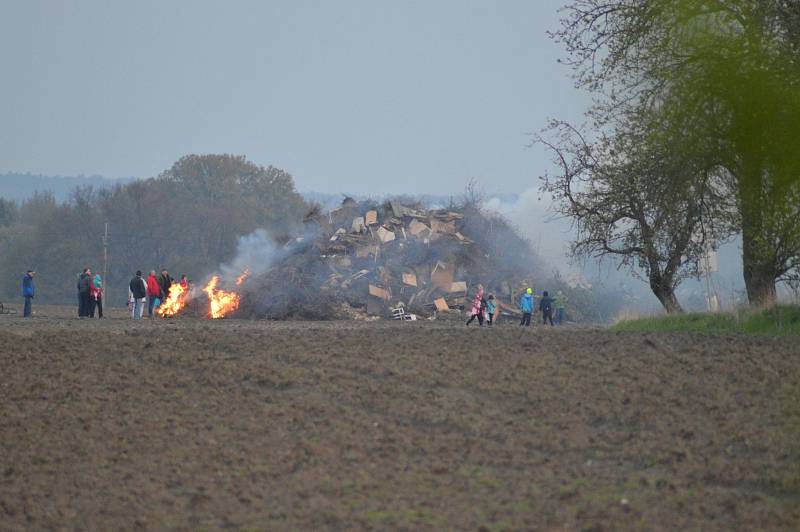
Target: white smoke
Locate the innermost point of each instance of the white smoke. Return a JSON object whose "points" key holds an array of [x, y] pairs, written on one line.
{"points": [[532, 215], [256, 252]]}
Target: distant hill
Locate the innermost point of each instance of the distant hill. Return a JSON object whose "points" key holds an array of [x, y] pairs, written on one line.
{"points": [[18, 187]]}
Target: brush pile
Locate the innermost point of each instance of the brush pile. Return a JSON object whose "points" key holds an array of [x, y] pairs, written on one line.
{"points": [[392, 260]]}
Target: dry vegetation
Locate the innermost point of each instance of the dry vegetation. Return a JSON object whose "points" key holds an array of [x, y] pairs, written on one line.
{"points": [[190, 424]]}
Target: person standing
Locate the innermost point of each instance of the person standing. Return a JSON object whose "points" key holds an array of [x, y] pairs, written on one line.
{"points": [[164, 282], [491, 308], [96, 297], [478, 307], [28, 291], [560, 302], [153, 292], [546, 306], [138, 288], [526, 305], [184, 283], [131, 303], [84, 293], [80, 299]]}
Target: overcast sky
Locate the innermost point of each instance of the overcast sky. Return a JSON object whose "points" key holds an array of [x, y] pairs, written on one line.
{"points": [[349, 96]]}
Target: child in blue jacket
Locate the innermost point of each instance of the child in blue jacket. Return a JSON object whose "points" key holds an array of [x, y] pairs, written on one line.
{"points": [[526, 305], [491, 308]]}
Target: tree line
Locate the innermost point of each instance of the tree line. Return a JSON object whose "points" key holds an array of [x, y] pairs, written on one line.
{"points": [[187, 220], [694, 137]]}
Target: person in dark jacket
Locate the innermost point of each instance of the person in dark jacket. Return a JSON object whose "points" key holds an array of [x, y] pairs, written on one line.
{"points": [[138, 288], [28, 291], [546, 306], [84, 293], [164, 282]]}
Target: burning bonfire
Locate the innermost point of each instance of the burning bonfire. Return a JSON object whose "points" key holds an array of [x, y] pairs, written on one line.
{"points": [[221, 303], [175, 302]]}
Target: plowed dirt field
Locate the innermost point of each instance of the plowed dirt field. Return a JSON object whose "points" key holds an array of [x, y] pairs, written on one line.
{"points": [[190, 424]]}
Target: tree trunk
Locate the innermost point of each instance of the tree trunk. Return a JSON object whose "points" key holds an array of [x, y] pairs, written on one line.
{"points": [[666, 294], [759, 274], [757, 247]]}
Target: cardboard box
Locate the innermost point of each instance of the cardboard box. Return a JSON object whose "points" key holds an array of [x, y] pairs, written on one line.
{"points": [[384, 235], [358, 225], [379, 292], [419, 229], [460, 286], [442, 276]]}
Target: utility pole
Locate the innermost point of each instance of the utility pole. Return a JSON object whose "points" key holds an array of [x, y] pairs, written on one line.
{"points": [[105, 257]]}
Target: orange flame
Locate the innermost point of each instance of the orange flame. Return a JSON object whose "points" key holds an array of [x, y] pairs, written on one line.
{"points": [[221, 302], [176, 300], [243, 277]]}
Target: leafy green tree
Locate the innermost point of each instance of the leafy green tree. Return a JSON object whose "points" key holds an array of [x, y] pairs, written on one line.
{"points": [[187, 220], [43, 240], [231, 182], [8, 212], [724, 73]]}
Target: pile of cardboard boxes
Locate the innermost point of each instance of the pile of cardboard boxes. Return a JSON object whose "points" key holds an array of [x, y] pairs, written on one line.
{"points": [[363, 259]]}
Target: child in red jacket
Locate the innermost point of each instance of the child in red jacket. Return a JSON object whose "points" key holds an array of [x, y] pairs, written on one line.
{"points": [[154, 295]]}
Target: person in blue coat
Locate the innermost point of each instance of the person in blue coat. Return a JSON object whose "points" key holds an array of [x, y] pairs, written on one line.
{"points": [[526, 305], [28, 291], [491, 308]]}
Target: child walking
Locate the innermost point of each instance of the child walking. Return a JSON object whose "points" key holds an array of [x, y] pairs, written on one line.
{"points": [[478, 307], [491, 308]]}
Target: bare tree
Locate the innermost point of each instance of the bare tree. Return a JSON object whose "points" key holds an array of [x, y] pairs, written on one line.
{"points": [[629, 200]]}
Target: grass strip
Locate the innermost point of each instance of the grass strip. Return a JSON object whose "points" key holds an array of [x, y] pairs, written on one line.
{"points": [[779, 320]]}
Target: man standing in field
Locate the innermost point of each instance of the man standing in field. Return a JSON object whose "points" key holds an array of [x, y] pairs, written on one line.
{"points": [[139, 291], [27, 292], [84, 285], [164, 282], [546, 306]]}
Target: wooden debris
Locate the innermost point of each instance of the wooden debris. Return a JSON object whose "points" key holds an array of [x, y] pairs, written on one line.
{"points": [[380, 293]]}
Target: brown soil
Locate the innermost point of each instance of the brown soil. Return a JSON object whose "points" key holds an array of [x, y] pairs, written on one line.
{"points": [[188, 424]]}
